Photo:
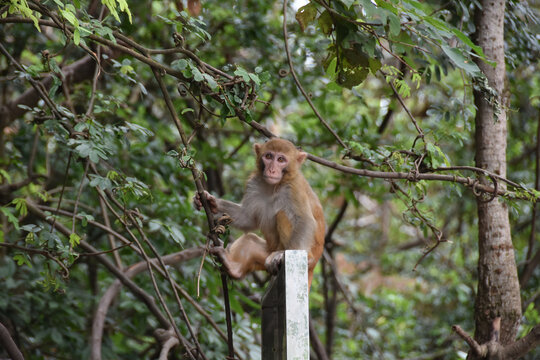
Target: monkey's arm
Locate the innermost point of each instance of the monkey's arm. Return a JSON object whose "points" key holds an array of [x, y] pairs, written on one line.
{"points": [[242, 216], [302, 233], [295, 222]]}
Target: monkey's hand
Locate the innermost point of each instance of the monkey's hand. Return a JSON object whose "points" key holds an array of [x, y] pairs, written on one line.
{"points": [[212, 202], [273, 262], [219, 251]]}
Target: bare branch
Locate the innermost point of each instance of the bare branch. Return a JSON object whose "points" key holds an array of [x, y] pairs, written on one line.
{"points": [[9, 345], [480, 350]]}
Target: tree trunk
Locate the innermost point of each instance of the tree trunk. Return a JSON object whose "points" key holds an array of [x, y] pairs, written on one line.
{"points": [[498, 285]]}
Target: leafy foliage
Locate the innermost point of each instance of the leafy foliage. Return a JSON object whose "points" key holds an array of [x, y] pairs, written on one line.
{"points": [[97, 161]]}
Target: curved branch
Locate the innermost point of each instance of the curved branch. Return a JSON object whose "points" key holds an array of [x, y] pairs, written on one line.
{"points": [[167, 340], [114, 289], [494, 350], [468, 182]]}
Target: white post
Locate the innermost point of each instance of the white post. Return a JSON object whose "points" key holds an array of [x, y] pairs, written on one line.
{"points": [[285, 311]]}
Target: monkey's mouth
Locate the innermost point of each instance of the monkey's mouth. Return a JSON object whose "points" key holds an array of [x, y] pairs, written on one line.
{"points": [[272, 180]]}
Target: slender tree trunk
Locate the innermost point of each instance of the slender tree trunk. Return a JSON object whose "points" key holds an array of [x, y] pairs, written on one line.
{"points": [[498, 285]]}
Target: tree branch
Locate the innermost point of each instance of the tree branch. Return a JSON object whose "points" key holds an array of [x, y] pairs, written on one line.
{"points": [[9, 345], [521, 347], [480, 350]]}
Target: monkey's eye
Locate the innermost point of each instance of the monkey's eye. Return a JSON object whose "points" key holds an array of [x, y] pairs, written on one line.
{"points": [[268, 156], [281, 159]]}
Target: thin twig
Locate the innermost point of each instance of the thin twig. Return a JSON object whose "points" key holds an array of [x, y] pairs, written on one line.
{"points": [[400, 99], [480, 350], [63, 187], [77, 201], [297, 81], [45, 253]]}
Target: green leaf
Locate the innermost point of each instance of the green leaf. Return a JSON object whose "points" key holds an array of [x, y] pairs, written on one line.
{"points": [[435, 156], [326, 23], [211, 82], [461, 61], [20, 206], [122, 4], [76, 37], [85, 218], [443, 27], [374, 65], [369, 8], [70, 17], [197, 75], [176, 234], [306, 14], [242, 73], [10, 217], [465, 39], [331, 68], [249, 116], [255, 79], [74, 239], [5, 175], [395, 24], [179, 64], [22, 259], [139, 129], [351, 77], [101, 182]]}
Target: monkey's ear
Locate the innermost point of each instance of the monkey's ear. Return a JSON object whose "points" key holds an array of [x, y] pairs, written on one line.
{"points": [[257, 149], [301, 157]]}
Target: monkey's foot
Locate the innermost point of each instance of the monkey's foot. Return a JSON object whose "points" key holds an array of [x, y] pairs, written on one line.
{"points": [[232, 268], [273, 262]]}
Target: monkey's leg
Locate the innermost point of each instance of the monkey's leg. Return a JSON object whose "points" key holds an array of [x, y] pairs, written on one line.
{"points": [[245, 255]]}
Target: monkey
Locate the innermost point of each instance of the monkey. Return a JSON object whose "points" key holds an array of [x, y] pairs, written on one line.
{"points": [[280, 203]]}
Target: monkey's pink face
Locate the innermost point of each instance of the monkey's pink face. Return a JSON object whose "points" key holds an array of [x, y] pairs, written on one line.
{"points": [[275, 164]]}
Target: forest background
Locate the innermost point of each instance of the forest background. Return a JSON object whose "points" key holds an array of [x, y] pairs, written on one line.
{"points": [[422, 123]]}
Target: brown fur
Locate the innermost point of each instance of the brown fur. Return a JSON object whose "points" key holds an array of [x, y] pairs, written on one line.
{"points": [[284, 230]]}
